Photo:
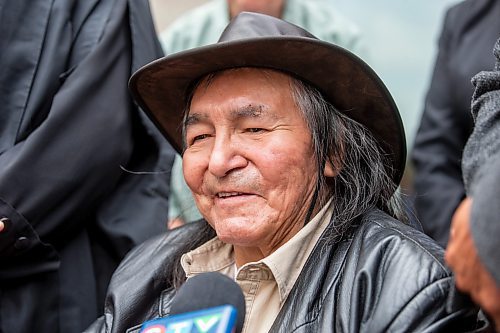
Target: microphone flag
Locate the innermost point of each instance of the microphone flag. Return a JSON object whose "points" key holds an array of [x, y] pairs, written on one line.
{"points": [[220, 319]]}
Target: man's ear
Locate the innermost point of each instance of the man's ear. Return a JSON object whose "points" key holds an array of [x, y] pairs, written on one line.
{"points": [[330, 170]]}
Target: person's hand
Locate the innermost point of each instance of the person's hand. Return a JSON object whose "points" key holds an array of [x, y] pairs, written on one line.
{"points": [[471, 276], [461, 254], [2, 225]]}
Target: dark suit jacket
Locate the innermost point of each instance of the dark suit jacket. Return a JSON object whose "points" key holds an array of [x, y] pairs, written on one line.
{"points": [[465, 48], [67, 127]]}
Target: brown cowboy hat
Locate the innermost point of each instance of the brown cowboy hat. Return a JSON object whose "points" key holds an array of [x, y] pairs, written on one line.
{"points": [[257, 40]]}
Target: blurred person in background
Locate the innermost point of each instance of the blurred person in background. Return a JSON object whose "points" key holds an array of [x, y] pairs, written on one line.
{"points": [[204, 25], [469, 30], [68, 127], [473, 252]]}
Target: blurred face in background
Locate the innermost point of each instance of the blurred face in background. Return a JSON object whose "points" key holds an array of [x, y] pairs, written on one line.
{"points": [[268, 7]]}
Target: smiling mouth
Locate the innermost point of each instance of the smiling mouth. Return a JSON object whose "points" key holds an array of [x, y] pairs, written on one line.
{"points": [[223, 195]]}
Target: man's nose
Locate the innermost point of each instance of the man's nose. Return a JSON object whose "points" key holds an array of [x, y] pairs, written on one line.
{"points": [[225, 156]]}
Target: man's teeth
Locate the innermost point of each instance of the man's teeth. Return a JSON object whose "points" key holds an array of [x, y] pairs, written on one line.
{"points": [[228, 194]]}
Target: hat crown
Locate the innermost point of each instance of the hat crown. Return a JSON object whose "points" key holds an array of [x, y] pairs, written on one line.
{"points": [[262, 41], [252, 25]]}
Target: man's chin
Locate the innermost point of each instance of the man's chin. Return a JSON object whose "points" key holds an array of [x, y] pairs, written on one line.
{"points": [[239, 230], [237, 238]]}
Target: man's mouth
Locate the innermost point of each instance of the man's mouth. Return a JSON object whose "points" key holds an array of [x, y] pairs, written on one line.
{"points": [[229, 194]]}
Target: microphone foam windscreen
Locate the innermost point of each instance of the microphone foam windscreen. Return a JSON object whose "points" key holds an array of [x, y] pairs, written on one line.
{"points": [[209, 290]]}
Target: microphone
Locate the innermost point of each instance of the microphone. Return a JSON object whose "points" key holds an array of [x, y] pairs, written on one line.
{"points": [[208, 302]]}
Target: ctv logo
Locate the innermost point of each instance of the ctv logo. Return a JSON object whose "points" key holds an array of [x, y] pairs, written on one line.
{"points": [[198, 325], [220, 319], [206, 324]]}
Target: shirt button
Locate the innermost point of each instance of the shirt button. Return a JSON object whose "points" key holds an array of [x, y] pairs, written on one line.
{"points": [[22, 243]]}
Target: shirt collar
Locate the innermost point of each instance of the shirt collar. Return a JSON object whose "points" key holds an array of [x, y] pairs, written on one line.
{"points": [[213, 256], [287, 261]]}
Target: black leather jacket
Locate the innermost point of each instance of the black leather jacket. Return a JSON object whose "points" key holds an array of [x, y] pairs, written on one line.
{"points": [[383, 276]]}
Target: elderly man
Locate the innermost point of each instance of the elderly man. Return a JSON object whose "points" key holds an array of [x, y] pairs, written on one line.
{"points": [[204, 24], [292, 148]]}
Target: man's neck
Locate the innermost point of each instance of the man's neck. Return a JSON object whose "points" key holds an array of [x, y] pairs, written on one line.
{"points": [[243, 255]]}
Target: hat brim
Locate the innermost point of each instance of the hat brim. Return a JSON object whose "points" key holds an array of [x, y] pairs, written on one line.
{"points": [[160, 87]]}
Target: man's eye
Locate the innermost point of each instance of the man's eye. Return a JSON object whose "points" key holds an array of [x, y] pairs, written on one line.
{"points": [[255, 130], [199, 137]]}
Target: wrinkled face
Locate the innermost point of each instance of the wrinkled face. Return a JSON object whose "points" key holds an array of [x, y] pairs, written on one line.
{"points": [[249, 159]]}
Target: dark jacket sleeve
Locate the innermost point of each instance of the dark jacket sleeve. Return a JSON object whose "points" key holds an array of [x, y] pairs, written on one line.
{"points": [[484, 142], [426, 312], [76, 135], [469, 30], [401, 283], [481, 166]]}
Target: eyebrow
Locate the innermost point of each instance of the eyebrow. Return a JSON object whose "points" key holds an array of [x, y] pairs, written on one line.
{"points": [[247, 111], [194, 118]]}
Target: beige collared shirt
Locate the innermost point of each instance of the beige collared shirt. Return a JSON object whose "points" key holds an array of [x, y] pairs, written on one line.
{"points": [[266, 283]]}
